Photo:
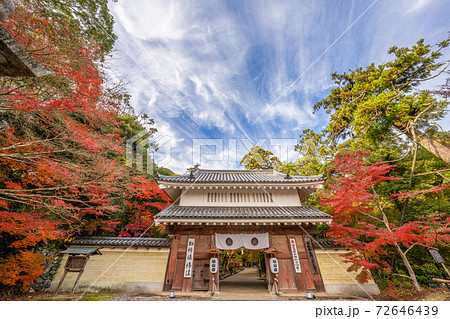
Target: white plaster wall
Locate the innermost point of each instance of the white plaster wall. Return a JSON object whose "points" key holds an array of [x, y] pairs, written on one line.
{"points": [[199, 197], [337, 279], [136, 269]]}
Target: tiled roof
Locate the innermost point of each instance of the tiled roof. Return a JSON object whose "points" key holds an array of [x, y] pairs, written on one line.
{"points": [[192, 212], [238, 176], [326, 243], [122, 241], [81, 250]]}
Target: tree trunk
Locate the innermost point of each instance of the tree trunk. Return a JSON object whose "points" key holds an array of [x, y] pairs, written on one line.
{"points": [[411, 273], [433, 146]]}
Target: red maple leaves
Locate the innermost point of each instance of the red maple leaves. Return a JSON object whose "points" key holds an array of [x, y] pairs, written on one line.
{"points": [[143, 200], [362, 219], [61, 168]]}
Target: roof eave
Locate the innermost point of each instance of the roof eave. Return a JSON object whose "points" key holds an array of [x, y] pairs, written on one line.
{"points": [[162, 188], [233, 184], [242, 221]]}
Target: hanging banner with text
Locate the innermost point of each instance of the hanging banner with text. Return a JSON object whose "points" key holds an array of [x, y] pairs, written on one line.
{"points": [[189, 258], [295, 258], [235, 241]]}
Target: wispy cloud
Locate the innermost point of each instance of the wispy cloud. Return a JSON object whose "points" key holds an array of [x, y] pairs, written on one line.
{"points": [[417, 5], [223, 62]]}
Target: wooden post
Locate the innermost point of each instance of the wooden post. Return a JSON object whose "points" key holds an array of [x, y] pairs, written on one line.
{"points": [[268, 272], [448, 273], [170, 271], [316, 275], [214, 278], [76, 281], [61, 281]]}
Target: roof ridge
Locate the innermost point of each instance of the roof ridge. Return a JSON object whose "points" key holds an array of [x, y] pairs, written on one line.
{"points": [[239, 176], [233, 207]]}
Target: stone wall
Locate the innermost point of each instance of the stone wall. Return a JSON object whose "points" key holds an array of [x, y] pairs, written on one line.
{"points": [[52, 262]]}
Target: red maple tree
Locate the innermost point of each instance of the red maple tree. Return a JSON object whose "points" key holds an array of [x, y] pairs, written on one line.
{"points": [[361, 217], [142, 199], [61, 166]]}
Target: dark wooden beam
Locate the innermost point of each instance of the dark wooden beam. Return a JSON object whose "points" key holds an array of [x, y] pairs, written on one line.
{"points": [[15, 61]]}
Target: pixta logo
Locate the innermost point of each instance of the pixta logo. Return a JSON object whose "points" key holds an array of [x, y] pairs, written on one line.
{"points": [[223, 153], [142, 149]]}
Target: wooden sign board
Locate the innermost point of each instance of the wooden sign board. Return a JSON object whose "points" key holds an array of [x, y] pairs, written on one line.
{"points": [[311, 256], [293, 244], [189, 258], [436, 256]]}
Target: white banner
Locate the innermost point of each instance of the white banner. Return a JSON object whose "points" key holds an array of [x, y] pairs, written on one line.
{"points": [[298, 268], [235, 241], [255, 241], [189, 258]]}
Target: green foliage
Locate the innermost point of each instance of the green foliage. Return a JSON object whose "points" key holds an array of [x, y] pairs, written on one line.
{"points": [[422, 204], [371, 110], [164, 171], [372, 102], [259, 158], [92, 17], [314, 150]]}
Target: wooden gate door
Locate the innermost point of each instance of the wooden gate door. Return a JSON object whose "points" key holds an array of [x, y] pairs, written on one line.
{"points": [[286, 276], [200, 276], [178, 274]]}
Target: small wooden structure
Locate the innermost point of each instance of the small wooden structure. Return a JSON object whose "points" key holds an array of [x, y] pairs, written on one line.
{"points": [[76, 262]]}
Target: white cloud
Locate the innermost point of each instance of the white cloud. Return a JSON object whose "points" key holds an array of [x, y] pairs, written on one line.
{"points": [[193, 59], [417, 5], [145, 20], [222, 63], [284, 112]]}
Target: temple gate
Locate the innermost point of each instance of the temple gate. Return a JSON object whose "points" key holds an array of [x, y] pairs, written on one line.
{"points": [[248, 206]]}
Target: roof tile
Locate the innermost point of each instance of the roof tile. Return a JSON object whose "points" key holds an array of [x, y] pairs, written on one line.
{"points": [[122, 241], [202, 212], [326, 243], [238, 176]]}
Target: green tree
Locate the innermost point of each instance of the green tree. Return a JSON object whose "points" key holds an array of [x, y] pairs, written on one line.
{"points": [[91, 17], [363, 218], [259, 158], [314, 151], [371, 110], [382, 101]]}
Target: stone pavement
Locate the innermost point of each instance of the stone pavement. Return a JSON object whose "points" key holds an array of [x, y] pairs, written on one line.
{"points": [[244, 285]]}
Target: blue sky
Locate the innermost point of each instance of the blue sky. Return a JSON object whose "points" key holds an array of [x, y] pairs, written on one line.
{"points": [[218, 76]]}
